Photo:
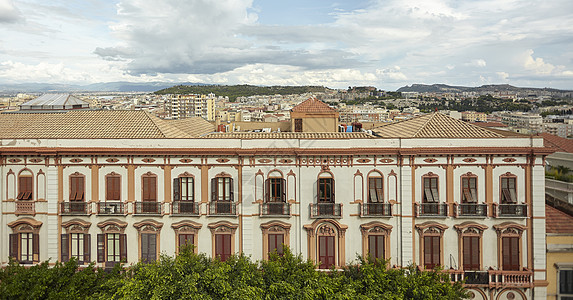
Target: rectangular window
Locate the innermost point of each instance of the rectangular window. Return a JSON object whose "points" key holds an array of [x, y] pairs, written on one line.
{"points": [[148, 247], [77, 246], [432, 252], [149, 186], [376, 246], [430, 190], [187, 188], [375, 190], [326, 190], [297, 125], [326, 252], [508, 194], [471, 253], [113, 247], [275, 189], [510, 253], [186, 239], [223, 246], [222, 188], [26, 247], [566, 284], [24, 188], [469, 191], [113, 188], [76, 188], [276, 242]]}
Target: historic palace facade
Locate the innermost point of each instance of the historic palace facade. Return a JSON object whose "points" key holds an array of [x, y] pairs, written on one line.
{"points": [[113, 186]]}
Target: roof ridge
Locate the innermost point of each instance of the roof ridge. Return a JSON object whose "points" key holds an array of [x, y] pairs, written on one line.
{"points": [[165, 128], [424, 125]]}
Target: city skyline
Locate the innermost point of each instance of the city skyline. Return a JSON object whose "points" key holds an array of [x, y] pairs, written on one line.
{"points": [[387, 44]]}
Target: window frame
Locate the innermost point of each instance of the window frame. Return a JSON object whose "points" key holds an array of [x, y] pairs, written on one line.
{"points": [[274, 227], [561, 294], [508, 192], [77, 183], [325, 190], [376, 228], [110, 230], [430, 188], [377, 191], [432, 230], [112, 189], [25, 189], [467, 191], [149, 187], [186, 227], [27, 230], [222, 228], [509, 230], [227, 184], [271, 185]]}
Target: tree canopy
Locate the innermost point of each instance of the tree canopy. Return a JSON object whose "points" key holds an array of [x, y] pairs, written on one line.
{"points": [[234, 91]]}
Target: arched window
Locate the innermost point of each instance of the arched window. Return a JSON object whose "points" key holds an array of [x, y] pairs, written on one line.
{"points": [[376, 240], [148, 239], [375, 188], [326, 243], [509, 245], [431, 244], [76, 242], [112, 243], [275, 188], [223, 239], [25, 240], [25, 185], [470, 252]]}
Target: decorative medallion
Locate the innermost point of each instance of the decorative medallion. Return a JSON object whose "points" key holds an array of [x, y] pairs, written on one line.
{"points": [[510, 296], [363, 160], [264, 161], [222, 160], [509, 159], [469, 160], [35, 160], [430, 160], [148, 160], [76, 160], [14, 160], [386, 160], [285, 161], [112, 160], [185, 160]]}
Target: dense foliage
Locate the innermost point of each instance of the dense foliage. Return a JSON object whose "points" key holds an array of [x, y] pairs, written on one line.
{"points": [[195, 276], [234, 91]]}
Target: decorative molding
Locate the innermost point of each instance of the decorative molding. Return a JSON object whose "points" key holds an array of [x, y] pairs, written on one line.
{"points": [[386, 160], [469, 160], [223, 227], [363, 160], [76, 160], [185, 160], [222, 160], [148, 160], [264, 160], [285, 161], [14, 160], [36, 160], [509, 159], [145, 224], [430, 160], [112, 160], [28, 221], [392, 173], [186, 226]]}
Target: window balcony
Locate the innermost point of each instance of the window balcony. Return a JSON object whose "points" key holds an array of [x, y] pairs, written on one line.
{"points": [[431, 210], [185, 208], [470, 210], [326, 210], [111, 208], [148, 208], [493, 278], [273, 209], [25, 208], [74, 208], [510, 210], [222, 208], [376, 209]]}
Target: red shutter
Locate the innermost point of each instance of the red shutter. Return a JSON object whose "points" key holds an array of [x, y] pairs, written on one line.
{"points": [[36, 247], [101, 248], [14, 240], [176, 189], [123, 247], [87, 248], [65, 253]]}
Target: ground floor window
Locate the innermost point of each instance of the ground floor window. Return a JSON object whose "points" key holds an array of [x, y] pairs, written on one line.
{"points": [[565, 288], [276, 242], [326, 252], [223, 246]]}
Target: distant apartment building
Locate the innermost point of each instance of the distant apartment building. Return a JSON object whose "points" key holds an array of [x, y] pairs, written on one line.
{"points": [[186, 106], [474, 116], [522, 122]]}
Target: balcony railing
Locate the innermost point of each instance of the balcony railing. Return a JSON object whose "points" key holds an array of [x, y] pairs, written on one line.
{"points": [[74, 208], [148, 208], [111, 208], [493, 278], [376, 209], [224, 208], [185, 208], [470, 210], [511, 210], [325, 210], [274, 209], [25, 208], [431, 209]]}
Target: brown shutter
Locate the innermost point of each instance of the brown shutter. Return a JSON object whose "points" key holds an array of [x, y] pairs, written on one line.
{"points": [[176, 189], [87, 248], [332, 190], [65, 246], [505, 252], [214, 189], [109, 188], [123, 247], [267, 190], [81, 188], [14, 237], [101, 248], [145, 187], [117, 187], [231, 186], [152, 255], [283, 190], [36, 247], [153, 188]]}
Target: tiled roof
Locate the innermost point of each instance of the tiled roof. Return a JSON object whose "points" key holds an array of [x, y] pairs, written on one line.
{"points": [[557, 143], [88, 124], [557, 221], [435, 125], [288, 135], [313, 105], [47, 101], [195, 126], [489, 124]]}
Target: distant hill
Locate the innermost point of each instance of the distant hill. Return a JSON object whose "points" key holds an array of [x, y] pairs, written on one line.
{"points": [[444, 88], [234, 91], [119, 86]]}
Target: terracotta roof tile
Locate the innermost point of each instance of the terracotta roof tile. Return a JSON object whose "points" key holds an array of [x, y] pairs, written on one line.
{"points": [[435, 125], [288, 135], [313, 105], [195, 126], [557, 221], [557, 143]]}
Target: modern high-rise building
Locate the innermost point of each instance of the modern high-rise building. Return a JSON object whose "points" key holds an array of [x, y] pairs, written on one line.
{"points": [[186, 106]]}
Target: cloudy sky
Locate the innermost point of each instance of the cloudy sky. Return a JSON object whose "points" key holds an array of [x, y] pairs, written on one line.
{"points": [[383, 43]]}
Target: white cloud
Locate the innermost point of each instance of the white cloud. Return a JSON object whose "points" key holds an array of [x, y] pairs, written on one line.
{"points": [[8, 12], [538, 65], [503, 75]]}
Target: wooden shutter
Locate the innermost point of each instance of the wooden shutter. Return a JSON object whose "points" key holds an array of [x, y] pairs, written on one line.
{"points": [[101, 248], [81, 191], [214, 189], [14, 239], [152, 255], [332, 190], [231, 188], [152, 188], [65, 248], [36, 247], [123, 247], [268, 190], [87, 248], [113, 189], [283, 190], [176, 189]]}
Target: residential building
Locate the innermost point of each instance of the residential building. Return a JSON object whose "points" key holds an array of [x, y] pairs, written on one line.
{"points": [[559, 252], [474, 116], [186, 106]]}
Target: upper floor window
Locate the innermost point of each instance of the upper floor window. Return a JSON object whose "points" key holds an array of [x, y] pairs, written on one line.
{"points": [[275, 189], [430, 194], [25, 186], [149, 187], [184, 188], [375, 189], [77, 187], [469, 190], [510, 253], [325, 189], [113, 187], [508, 192], [222, 189], [565, 288]]}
